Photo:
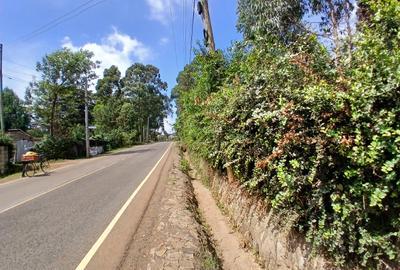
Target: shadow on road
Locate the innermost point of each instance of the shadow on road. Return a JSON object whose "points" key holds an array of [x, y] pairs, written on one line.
{"points": [[131, 152]]}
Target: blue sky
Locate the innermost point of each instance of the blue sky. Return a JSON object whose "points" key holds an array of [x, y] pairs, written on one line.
{"points": [[119, 32]]}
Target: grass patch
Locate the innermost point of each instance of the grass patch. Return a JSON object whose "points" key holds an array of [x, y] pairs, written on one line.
{"points": [[209, 261], [184, 166]]}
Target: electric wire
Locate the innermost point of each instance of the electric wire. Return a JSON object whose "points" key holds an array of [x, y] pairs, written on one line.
{"points": [[55, 20], [11, 77], [18, 64], [184, 30], [18, 72], [73, 13], [173, 34]]}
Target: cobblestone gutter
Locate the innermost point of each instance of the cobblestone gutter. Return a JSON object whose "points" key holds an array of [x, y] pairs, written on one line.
{"points": [[184, 243]]}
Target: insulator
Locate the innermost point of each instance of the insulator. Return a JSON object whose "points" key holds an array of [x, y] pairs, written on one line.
{"points": [[199, 8]]}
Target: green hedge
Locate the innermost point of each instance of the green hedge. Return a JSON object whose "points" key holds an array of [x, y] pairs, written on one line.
{"points": [[60, 148], [321, 146], [7, 141]]}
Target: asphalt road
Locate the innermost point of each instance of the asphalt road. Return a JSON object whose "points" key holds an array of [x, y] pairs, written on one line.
{"points": [[51, 222]]}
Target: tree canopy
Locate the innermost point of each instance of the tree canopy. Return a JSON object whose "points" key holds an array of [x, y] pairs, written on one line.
{"points": [[125, 106], [313, 127], [58, 97], [15, 114]]}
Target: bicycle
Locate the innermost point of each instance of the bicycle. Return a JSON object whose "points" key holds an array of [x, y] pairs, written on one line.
{"points": [[31, 167]]}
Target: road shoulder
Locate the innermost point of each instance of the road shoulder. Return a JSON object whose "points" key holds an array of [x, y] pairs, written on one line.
{"points": [[170, 235]]}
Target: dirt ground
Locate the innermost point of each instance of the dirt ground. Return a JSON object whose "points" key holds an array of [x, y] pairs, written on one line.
{"points": [[170, 235], [183, 228], [228, 243]]}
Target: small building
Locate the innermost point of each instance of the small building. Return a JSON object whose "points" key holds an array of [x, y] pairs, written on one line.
{"points": [[22, 142]]}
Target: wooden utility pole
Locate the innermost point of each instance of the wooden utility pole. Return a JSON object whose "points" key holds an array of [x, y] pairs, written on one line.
{"points": [[203, 10], [148, 128], [87, 120], [1, 90]]}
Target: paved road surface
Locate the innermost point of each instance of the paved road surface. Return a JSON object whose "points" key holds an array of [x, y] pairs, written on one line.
{"points": [[51, 222]]}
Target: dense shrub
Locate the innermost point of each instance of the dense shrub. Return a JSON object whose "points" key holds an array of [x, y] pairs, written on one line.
{"points": [[59, 148], [118, 138], [6, 140], [322, 145]]}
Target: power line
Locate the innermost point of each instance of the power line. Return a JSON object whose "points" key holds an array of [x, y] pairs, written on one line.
{"points": [[173, 34], [19, 72], [75, 12], [191, 33], [10, 77], [184, 30], [54, 20], [18, 64]]}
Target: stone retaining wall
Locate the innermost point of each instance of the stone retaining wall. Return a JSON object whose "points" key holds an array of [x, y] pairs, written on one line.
{"points": [[277, 247]]}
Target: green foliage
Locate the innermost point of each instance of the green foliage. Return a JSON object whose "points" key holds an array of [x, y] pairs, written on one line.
{"points": [[6, 140], [109, 85], [319, 143], [15, 115], [58, 97], [278, 17], [58, 148], [184, 165], [125, 105], [145, 91]]}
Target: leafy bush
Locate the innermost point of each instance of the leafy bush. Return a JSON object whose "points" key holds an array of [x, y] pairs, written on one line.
{"points": [[320, 144], [118, 138], [59, 148], [6, 140], [184, 165]]}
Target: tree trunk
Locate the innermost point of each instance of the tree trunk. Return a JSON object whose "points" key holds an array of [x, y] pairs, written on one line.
{"points": [[347, 11], [52, 116], [364, 13], [335, 31]]}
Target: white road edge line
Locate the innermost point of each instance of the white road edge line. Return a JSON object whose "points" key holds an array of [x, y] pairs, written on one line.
{"points": [[60, 186], [85, 261]]}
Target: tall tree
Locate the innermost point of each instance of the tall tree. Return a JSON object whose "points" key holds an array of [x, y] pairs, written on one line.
{"points": [[15, 115], [287, 20], [144, 88], [277, 17], [110, 84], [58, 98], [336, 23]]}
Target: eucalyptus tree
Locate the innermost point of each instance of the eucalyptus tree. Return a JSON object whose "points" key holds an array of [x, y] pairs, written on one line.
{"points": [[288, 20], [146, 91], [110, 85]]}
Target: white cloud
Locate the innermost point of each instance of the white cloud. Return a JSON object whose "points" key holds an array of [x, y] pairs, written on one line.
{"points": [[163, 10], [164, 41], [115, 49]]}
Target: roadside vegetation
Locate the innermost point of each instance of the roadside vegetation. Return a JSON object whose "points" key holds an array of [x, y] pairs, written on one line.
{"points": [[124, 110], [309, 118]]}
